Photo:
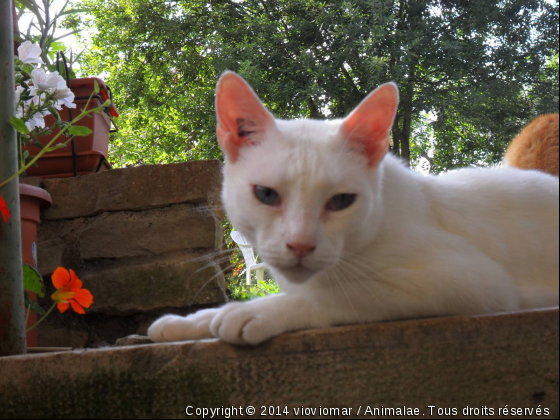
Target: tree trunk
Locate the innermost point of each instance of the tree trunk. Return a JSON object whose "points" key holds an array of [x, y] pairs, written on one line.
{"points": [[407, 117], [395, 147], [405, 136], [313, 110]]}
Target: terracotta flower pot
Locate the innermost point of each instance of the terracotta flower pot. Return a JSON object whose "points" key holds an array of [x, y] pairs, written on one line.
{"points": [[91, 151], [32, 201]]}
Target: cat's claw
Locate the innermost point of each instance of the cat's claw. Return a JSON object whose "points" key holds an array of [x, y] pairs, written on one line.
{"points": [[180, 328]]}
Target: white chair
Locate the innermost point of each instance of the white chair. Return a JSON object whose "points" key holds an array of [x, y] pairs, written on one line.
{"points": [[249, 256]]}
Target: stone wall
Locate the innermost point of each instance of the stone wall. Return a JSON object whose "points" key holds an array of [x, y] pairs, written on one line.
{"points": [[144, 240]]}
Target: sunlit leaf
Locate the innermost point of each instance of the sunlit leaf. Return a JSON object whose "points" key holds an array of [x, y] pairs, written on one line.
{"points": [[79, 130]]}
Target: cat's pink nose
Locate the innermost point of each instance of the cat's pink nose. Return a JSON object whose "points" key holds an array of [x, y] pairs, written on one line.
{"points": [[301, 249]]}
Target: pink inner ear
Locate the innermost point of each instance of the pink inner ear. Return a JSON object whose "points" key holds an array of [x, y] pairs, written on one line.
{"points": [[241, 115], [367, 128]]}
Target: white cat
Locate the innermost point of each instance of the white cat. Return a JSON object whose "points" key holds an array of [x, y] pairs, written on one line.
{"points": [[352, 236]]}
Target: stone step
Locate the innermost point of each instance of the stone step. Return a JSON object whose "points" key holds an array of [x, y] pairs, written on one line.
{"points": [[481, 363], [144, 240]]}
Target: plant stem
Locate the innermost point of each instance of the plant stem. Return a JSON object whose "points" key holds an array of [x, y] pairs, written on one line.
{"points": [[41, 320]]}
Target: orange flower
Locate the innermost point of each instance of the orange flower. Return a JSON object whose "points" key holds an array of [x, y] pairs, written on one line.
{"points": [[4, 211], [69, 291]]}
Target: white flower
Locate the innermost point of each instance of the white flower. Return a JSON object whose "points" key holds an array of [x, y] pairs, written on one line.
{"points": [[30, 53], [43, 81], [36, 120], [53, 83], [63, 95]]}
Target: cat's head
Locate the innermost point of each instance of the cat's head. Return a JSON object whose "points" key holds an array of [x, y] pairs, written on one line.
{"points": [[305, 193]]}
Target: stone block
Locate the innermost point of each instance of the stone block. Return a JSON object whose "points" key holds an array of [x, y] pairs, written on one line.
{"points": [[62, 336], [156, 285], [122, 235], [51, 255], [139, 188], [158, 231]]}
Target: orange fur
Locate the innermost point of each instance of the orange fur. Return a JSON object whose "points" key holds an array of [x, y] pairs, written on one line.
{"points": [[536, 147]]}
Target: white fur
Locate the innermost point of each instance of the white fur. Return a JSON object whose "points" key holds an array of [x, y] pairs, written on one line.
{"points": [[467, 242]]}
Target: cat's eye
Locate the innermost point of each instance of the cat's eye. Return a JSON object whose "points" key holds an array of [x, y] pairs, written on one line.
{"points": [[267, 195], [341, 202]]}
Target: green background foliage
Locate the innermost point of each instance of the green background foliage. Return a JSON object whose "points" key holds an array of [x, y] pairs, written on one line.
{"points": [[471, 73]]}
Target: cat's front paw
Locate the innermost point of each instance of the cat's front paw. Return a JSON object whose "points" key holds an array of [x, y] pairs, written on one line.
{"points": [[244, 323], [180, 328]]}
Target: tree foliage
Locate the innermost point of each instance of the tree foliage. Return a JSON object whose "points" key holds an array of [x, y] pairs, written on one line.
{"points": [[471, 73]]}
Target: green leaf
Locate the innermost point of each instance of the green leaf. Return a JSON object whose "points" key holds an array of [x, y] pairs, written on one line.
{"points": [[33, 281], [96, 86], [79, 130], [19, 124], [38, 145], [31, 305], [57, 46]]}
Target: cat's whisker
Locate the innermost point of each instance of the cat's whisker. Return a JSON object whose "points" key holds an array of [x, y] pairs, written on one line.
{"points": [[370, 275], [334, 275], [363, 277], [359, 283], [204, 209], [214, 263], [405, 289], [337, 275], [207, 256], [355, 282], [206, 283], [357, 259]]}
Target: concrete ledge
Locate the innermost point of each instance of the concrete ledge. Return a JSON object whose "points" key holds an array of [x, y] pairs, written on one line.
{"points": [[457, 362]]}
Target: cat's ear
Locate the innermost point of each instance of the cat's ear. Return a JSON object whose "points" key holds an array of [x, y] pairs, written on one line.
{"points": [[242, 118], [367, 128]]}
